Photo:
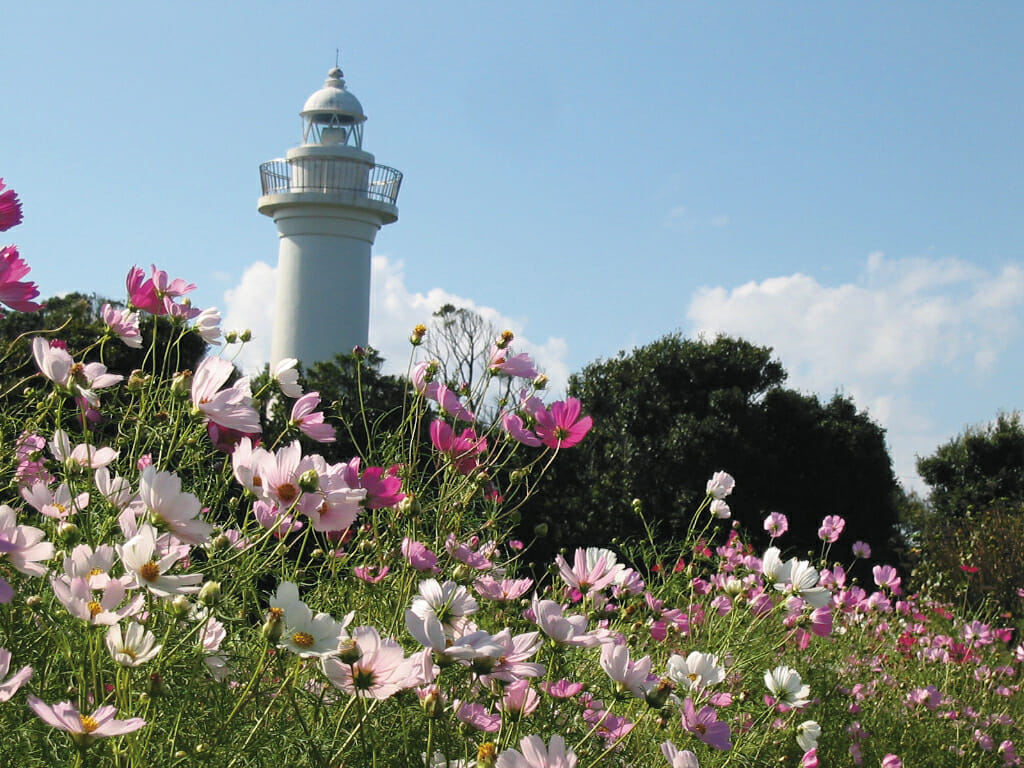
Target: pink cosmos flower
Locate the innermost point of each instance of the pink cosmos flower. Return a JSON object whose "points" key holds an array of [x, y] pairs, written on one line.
{"points": [[561, 425], [383, 486], [477, 716], [143, 569], [562, 689], [632, 676], [503, 363], [831, 528], [231, 407], [157, 294], [891, 761], [587, 576], [380, 672], [309, 420], [706, 726], [419, 557], [371, 574], [77, 379], [78, 597], [24, 548], [84, 729], [123, 324], [886, 578], [776, 524], [178, 511], [513, 426], [10, 208], [567, 630], [513, 652], [520, 700], [10, 686], [502, 590], [861, 549], [57, 503], [462, 449], [13, 292], [536, 755]]}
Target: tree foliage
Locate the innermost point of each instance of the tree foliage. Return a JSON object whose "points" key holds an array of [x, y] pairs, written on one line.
{"points": [[982, 466], [669, 414]]}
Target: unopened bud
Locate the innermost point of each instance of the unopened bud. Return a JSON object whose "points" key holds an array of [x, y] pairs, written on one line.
{"points": [[358, 352], [505, 339], [273, 626], [180, 607], [658, 695], [349, 652], [137, 380], [181, 383], [68, 534], [309, 481], [540, 530], [245, 336], [541, 381], [209, 595], [433, 704], [33, 601], [462, 573], [155, 685], [220, 542], [231, 337]]}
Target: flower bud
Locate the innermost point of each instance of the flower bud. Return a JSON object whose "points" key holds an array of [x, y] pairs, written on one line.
{"points": [[181, 384], [209, 595], [540, 530], [541, 382], [33, 601], [417, 335], [462, 573], [68, 534], [309, 481], [180, 607], [220, 542], [358, 352], [658, 695], [486, 755], [245, 336], [155, 685], [505, 339], [349, 652], [231, 337], [432, 703], [273, 627]]}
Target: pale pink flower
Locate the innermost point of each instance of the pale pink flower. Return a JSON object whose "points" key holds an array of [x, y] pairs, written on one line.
{"points": [[501, 590], [886, 577], [520, 700], [477, 716], [84, 729], [720, 510], [891, 761], [371, 574], [57, 503], [231, 407], [77, 596], [14, 292], [90, 564], [512, 660], [77, 379], [419, 557], [535, 755], [10, 685], [83, 455], [568, 630], [311, 421], [786, 687], [776, 524], [720, 485], [831, 528], [678, 758], [115, 489], [176, 510], [287, 377], [306, 634], [208, 325], [24, 548], [380, 672], [562, 689], [123, 324], [144, 570], [861, 549], [632, 676], [589, 576], [503, 363]]}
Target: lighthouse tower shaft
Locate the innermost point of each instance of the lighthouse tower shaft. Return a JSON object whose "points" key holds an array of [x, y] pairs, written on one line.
{"points": [[328, 199]]}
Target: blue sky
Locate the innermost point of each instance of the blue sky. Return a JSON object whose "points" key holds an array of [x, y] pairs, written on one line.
{"points": [[839, 181]]}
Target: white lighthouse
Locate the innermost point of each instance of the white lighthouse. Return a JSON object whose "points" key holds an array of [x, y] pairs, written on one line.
{"points": [[328, 198]]}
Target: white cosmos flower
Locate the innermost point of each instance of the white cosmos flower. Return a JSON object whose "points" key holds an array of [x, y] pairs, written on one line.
{"points": [[287, 377], [133, 648], [807, 734], [696, 671], [786, 686], [145, 571]]}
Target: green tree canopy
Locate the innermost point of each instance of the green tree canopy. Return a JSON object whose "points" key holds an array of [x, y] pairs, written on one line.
{"points": [[669, 414], [981, 466]]}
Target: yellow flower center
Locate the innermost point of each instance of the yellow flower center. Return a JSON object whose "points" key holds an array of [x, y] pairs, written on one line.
{"points": [[129, 652], [150, 571], [95, 609], [276, 613], [89, 723], [487, 751], [95, 572], [302, 639]]}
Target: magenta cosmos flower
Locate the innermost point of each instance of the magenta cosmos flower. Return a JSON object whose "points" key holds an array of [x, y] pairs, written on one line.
{"points": [[463, 448], [157, 294], [10, 208], [561, 425], [84, 729], [15, 293]]}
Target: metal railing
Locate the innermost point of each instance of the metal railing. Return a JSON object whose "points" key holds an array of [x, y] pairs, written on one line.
{"points": [[331, 175]]}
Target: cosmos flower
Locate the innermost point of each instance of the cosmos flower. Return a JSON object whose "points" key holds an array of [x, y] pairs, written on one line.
{"points": [[15, 293], [10, 208], [535, 755], [561, 426], [787, 687], [380, 671], [84, 729], [123, 324], [132, 648], [10, 686]]}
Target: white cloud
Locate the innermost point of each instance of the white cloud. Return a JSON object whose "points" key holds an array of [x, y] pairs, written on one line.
{"points": [[394, 312], [903, 321]]}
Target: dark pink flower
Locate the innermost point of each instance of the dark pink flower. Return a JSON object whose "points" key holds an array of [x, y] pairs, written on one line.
{"points": [[561, 425], [13, 292], [462, 449], [383, 487], [505, 364], [156, 295], [10, 208]]}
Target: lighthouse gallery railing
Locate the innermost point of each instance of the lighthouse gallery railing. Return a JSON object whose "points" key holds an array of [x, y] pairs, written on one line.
{"points": [[331, 174]]}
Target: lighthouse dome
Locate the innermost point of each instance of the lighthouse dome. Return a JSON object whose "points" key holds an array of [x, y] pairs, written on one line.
{"points": [[333, 103]]}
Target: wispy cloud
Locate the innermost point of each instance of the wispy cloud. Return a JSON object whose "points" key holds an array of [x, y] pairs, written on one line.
{"points": [[394, 311], [903, 320]]}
